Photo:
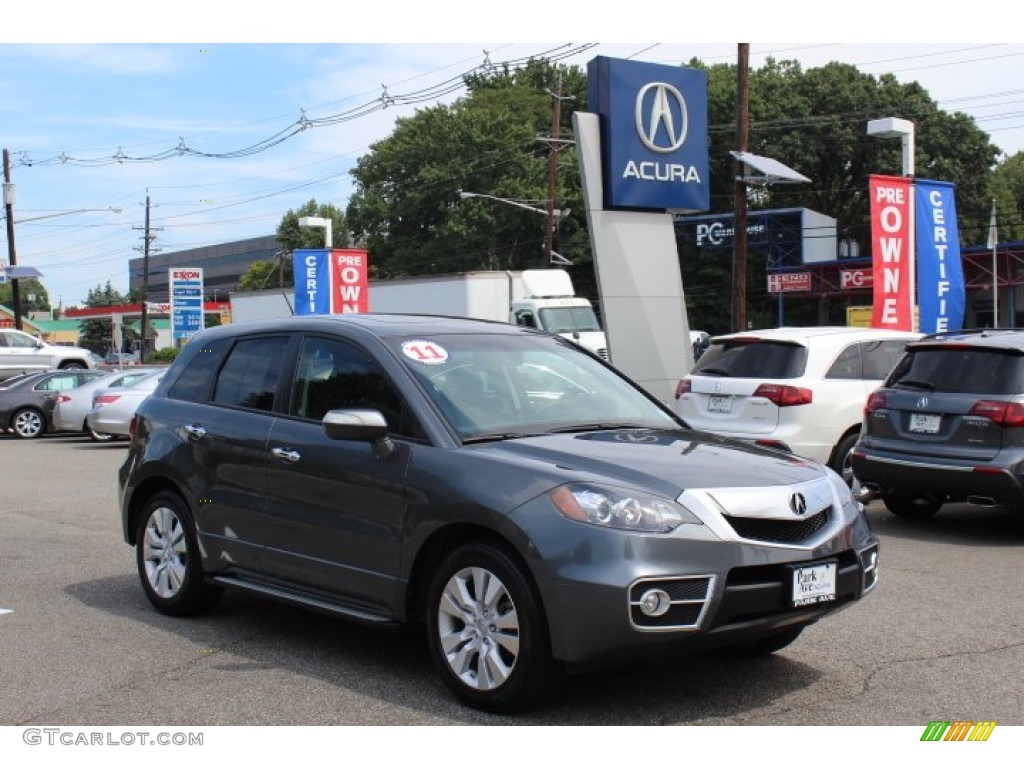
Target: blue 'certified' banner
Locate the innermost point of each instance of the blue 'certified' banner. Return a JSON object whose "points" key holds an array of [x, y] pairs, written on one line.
{"points": [[312, 281], [940, 276]]}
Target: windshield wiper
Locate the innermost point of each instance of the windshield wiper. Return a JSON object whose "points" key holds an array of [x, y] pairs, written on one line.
{"points": [[493, 437], [595, 426], [713, 372], [927, 386]]}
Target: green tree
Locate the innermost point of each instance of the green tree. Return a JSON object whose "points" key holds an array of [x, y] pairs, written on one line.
{"points": [[97, 334], [291, 237], [1007, 190], [32, 296], [407, 209]]}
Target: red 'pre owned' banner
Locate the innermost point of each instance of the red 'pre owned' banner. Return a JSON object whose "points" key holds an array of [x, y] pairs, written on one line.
{"points": [[350, 281], [891, 252]]}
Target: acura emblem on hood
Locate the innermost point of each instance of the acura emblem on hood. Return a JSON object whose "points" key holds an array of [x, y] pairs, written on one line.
{"points": [[798, 504]]}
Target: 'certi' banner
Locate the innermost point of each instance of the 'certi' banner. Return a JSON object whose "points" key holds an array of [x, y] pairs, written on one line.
{"points": [[892, 252], [940, 274], [331, 282]]}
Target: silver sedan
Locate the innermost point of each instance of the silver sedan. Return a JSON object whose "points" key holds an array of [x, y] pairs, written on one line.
{"points": [[70, 408], [113, 409]]}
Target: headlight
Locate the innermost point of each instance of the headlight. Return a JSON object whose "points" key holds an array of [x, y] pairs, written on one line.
{"points": [[623, 509]]}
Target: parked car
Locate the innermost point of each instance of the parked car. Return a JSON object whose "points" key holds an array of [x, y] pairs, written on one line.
{"points": [[114, 407], [71, 407], [948, 425], [23, 399], [523, 500], [801, 389], [21, 352], [122, 358]]}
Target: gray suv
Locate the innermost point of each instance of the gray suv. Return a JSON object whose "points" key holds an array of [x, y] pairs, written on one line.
{"points": [[947, 425], [511, 492]]}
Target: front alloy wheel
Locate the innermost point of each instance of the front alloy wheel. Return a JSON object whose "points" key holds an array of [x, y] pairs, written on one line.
{"points": [[168, 559], [487, 632]]}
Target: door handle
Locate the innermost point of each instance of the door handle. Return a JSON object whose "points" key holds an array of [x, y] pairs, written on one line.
{"points": [[286, 455], [195, 430]]}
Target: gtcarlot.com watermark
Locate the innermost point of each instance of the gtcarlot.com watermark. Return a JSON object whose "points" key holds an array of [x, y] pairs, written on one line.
{"points": [[71, 737]]}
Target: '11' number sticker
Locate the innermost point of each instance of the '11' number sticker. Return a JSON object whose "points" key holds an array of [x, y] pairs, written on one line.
{"points": [[426, 352]]}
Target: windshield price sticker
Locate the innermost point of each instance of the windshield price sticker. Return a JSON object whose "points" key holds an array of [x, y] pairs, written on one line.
{"points": [[426, 352], [814, 584]]}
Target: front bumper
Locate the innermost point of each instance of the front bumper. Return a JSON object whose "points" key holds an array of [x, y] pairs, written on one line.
{"points": [[729, 593]]}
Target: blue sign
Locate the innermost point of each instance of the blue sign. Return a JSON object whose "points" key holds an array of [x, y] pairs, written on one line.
{"points": [[654, 134], [312, 281], [186, 289], [940, 275]]}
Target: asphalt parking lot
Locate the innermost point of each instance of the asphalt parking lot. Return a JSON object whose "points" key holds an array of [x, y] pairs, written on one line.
{"points": [[941, 638]]}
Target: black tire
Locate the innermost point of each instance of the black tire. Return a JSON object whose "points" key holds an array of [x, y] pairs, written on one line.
{"points": [[28, 423], [73, 365], [772, 643], [918, 507], [494, 656], [841, 458], [168, 560]]}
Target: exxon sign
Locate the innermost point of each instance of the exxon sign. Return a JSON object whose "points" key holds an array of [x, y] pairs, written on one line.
{"points": [[654, 134]]}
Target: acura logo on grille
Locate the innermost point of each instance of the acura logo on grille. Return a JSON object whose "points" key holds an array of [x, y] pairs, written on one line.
{"points": [[922, 402], [798, 504]]}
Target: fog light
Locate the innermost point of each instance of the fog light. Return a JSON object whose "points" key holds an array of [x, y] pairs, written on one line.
{"points": [[655, 602]]}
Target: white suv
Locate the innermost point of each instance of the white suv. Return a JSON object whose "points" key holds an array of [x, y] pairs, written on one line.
{"points": [[802, 389], [23, 353]]}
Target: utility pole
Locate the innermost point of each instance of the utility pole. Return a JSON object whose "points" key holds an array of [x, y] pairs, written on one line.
{"points": [[12, 254], [739, 242], [147, 238], [554, 143]]}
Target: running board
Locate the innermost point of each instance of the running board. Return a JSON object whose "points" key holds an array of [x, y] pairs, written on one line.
{"points": [[309, 601]]}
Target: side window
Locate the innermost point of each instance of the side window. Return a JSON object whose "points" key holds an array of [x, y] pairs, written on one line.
{"points": [[58, 383], [331, 374], [847, 365], [880, 357], [194, 383], [249, 376]]}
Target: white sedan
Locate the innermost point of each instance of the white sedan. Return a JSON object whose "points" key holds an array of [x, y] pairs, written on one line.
{"points": [[71, 407], [113, 409]]}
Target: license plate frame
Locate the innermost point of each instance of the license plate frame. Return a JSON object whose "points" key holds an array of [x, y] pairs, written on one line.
{"points": [[719, 403], [813, 583], [925, 423]]}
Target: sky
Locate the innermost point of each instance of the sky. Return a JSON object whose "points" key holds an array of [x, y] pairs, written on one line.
{"points": [[94, 111]]}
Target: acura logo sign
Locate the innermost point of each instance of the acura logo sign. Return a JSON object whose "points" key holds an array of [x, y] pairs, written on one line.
{"points": [[798, 504], [661, 117], [922, 403]]}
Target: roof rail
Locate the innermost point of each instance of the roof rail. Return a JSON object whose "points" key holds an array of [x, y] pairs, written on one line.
{"points": [[970, 332]]}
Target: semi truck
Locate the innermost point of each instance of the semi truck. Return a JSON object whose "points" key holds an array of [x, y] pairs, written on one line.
{"points": [[536, 298]]}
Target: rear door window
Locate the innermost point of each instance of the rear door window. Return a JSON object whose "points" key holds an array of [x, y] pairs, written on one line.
{"points": [[757, 359], [251, 372]]}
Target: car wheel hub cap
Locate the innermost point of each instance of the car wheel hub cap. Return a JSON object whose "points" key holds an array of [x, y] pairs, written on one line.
{"points": [[164, 552], [478, 628]]}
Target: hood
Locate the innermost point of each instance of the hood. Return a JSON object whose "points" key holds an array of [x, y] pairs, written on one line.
{"points": [[664, 461]]}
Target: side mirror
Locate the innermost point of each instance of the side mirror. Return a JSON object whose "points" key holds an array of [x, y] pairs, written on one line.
{"points": [[363, 424]]}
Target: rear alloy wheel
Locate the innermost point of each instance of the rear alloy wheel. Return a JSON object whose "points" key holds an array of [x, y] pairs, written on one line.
{"points": [[487, 632], [28, 423], [168, 558], [918, 507]]}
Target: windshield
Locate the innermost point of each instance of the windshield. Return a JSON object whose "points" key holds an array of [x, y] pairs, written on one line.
{"points": [[493, 386], [568, 319], [965, 370]]}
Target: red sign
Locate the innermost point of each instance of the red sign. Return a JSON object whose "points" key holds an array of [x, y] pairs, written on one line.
{"points": [[892, 252], [786, 282], [350, 286], [851, 279]]}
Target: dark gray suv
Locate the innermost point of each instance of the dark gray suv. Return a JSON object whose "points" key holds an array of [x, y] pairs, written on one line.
{"points": [[947, 425], [509, 491]]}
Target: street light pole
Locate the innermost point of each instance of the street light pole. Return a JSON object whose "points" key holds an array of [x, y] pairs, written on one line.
{"points": [[318, 221]]}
